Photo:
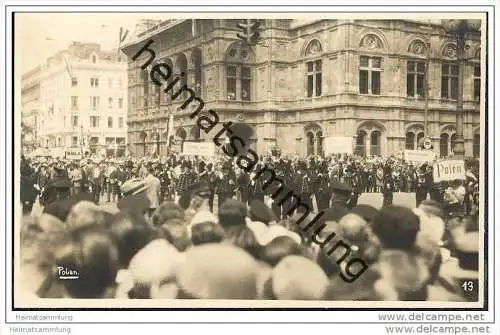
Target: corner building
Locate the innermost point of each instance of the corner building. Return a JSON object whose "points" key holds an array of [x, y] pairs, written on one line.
{"points": [[87, 109], [307, 80]]}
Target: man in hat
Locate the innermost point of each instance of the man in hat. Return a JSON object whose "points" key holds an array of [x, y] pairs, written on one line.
{"points": [[135, 199], [58, 188], [95, 181], [28, 191], [435, 189], [321, 188], [421, 185], [186, 178], [243, 182], [388, 186], [212, 184], [153, 190], [341, 194], [227, 183], [121, 177], [304, 184]]}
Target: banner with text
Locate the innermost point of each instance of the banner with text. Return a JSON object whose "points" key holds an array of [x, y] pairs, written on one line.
{"points": [[338, 145], [176, 145], [449, 170], [198, 148], [73, 154], [57, 152], [419, 155]]}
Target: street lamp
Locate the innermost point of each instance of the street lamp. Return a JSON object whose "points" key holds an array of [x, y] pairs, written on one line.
{"points": [[460, 29]]}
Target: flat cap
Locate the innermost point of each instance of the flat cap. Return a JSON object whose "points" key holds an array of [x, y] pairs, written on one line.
{"points": [[133, 186]]}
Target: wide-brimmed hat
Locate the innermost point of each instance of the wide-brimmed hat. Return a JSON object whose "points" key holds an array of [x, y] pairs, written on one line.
{"points": [[133, 186]]}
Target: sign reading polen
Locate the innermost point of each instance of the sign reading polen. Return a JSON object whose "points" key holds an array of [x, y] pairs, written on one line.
{"points": [[449, 170]]}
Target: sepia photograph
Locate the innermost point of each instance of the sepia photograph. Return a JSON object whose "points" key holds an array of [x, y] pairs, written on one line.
{"points": [[250, 160]]}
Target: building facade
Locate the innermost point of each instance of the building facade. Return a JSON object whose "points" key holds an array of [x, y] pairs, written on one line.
{"points": [[83, 101], [306, 80], [30, 102]]}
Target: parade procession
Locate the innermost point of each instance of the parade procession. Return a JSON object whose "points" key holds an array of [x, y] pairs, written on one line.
{"points": [[340, 141]]}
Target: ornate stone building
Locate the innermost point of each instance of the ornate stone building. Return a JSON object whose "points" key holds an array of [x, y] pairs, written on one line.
{"points": [[307, 80]]}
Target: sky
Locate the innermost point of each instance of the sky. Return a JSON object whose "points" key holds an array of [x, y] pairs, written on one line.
{"points": [[40, 35]]}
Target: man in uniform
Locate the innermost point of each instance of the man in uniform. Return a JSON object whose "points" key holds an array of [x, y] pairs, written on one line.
{"points": [[341, 194], [388, 186], [304, 184], [321, 188], [243, 181], [227, 183], [421, 185], [212, 184]]}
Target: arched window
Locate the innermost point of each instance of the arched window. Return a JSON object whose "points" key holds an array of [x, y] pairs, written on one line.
{"points": [[410, 141], [94, 58], [239, 72], [314, 69], [453, 140], [361, 143], [166, 97], [181, 133], [375, 143], [156, 92], [195, 133], [196, 60], [476, 145], [443, 145], [420, 136], [181, 67], [310, 143], [319, 141]]}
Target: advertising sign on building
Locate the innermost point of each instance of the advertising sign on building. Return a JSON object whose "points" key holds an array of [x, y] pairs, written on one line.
{"points": [[198, 148], [73, 153], [419, 155], [338, 145], [449, 170]]}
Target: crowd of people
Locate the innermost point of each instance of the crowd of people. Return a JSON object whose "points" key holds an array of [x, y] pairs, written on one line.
{"points": [[197, 228]]}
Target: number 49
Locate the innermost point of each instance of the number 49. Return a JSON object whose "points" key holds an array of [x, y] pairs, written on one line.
{"points": [[468, 285]]}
